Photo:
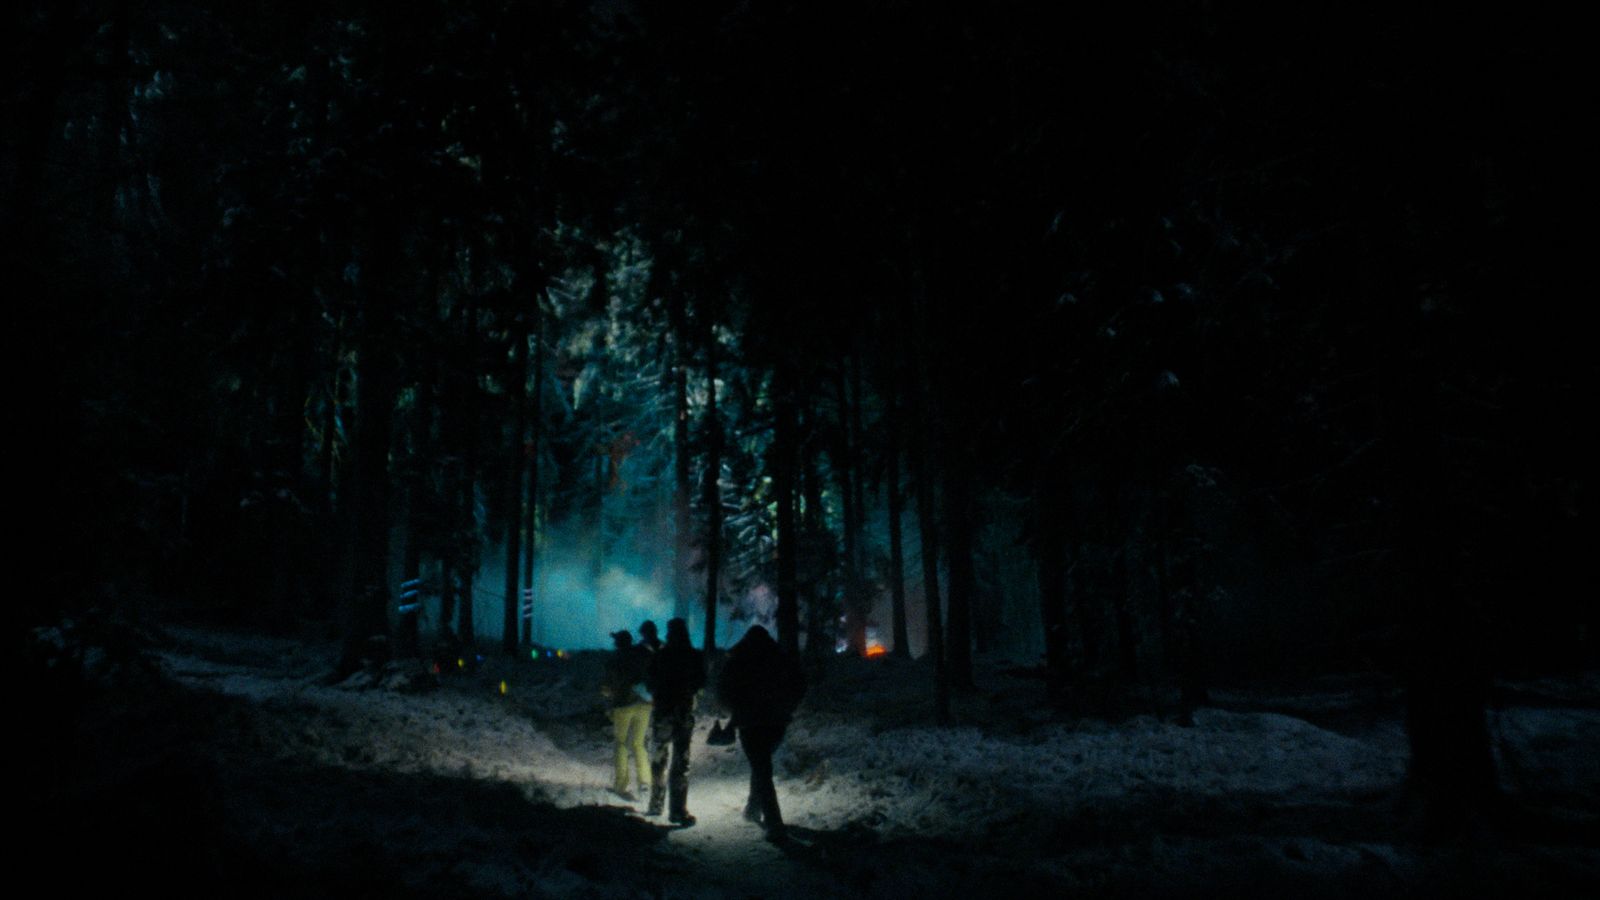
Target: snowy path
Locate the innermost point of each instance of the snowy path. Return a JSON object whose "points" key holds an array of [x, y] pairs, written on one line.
{"points": [[464, 787]]}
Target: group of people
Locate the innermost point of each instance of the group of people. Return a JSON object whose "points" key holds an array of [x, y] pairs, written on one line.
{"points": [[651, 689]]}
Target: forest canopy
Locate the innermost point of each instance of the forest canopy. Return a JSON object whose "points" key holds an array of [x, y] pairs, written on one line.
{"points": [[1155, 343]]}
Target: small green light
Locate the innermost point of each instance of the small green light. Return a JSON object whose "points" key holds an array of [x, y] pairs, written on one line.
{"points": [[535, 654]]}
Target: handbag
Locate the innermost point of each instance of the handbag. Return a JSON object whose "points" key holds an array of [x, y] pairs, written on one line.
{"points": [[721, 735]]}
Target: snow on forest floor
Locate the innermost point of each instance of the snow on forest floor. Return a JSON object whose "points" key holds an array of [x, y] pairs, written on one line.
{"points": [[375, 788]]}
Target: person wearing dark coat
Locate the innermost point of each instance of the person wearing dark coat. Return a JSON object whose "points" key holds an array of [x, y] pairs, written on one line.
{"points": [[677, 673], [648, 639], [761, 687]]}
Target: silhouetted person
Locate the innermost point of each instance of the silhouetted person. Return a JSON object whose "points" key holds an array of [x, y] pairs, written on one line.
{"points": [[761, 686], [677, 673], [648, 638], [623, 689]]}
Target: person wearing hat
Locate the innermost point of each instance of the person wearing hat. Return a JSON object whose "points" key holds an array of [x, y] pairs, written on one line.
{"points": [[629, 705]]}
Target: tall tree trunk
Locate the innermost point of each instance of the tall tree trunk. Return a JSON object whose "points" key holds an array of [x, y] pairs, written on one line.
{"points": [[897, 582], [116, 114], [821, 618], [534, 439], [326, 467], [407, 639], [785, 434], [682, 524], [1447, 686], [1122, 601], [519, 389], [1049, 550], [858, 568], [846, 472], [1120, 536], [1085, 594], [713, 495], [1162, 541], [368, 622], [466, 629], [963, 583], [928, 530]]}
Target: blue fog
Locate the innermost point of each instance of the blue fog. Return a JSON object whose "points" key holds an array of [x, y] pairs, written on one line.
{"points": [[577, 609]]}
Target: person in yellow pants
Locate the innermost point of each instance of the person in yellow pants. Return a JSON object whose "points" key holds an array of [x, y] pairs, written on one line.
{"points": [[629, 704]]}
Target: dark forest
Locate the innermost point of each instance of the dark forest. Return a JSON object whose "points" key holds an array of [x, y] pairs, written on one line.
{"points": [[1174, 374]]}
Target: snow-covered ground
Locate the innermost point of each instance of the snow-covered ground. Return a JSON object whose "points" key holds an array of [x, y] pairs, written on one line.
{"points": [[460, 789]]}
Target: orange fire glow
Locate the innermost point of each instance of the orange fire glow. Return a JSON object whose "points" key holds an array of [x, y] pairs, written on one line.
{"points": [[876, 650]]}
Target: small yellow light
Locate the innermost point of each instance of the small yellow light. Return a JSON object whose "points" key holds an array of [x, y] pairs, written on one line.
{"points": [[502, 688], [461, 663]]}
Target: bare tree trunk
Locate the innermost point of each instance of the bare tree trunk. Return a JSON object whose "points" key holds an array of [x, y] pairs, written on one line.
{"points": [[816, 579], [713, 496], [928, 529], [367, 625], [519, 388], [1127, 638], [532, 513], [1120, 535], [468, 500], [407, 639], [1084, 600], [1049, 550], [963, 582], [846, 472], [858, 573], [783, 478], [682, 526], [897, 584]]}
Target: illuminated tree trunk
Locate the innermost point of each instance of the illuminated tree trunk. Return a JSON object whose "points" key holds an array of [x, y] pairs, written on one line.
{"points": [[816, 581], [534, 440], [713, 496], [682, 528], [468, 499], [783, 459], [407, 637]]}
